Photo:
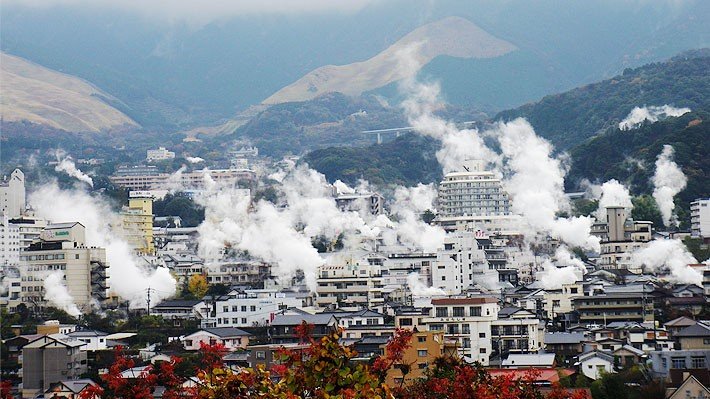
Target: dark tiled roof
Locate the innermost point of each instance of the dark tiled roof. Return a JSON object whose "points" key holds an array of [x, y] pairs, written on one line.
{"points": [[698, 330], [223, 332]]}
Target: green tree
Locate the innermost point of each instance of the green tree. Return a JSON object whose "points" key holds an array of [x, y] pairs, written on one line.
{"points": [[645, 208]]}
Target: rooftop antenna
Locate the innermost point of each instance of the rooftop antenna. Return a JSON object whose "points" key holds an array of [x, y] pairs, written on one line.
{"points": [[467, 169]]}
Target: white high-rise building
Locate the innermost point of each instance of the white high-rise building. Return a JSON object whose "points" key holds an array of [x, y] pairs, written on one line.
{"points": [[9, 242], [159, 155], [700, 218], [461, 263], [475, 197], [12, 194]]}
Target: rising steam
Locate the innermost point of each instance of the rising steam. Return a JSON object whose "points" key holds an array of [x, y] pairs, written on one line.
{"points": [[652, 114], [668, 181], [56, 293], [66, 164]]}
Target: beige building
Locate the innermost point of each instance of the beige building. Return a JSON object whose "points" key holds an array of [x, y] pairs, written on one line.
{"points": [[137, 222], [620, 236], [425, 347], [62, 249], [144, 178], [349, 286], [691, 388], [50, 359], [12, 194]]}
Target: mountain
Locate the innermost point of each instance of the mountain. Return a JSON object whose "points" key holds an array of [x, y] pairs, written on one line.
{"points": [[570, 118], [407, 160], [452, 36], [32, 93], [175, 73], [629, 155]]}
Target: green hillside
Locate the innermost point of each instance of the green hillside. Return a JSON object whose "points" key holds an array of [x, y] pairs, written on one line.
{"points": [[570, 118], [407, 160]]}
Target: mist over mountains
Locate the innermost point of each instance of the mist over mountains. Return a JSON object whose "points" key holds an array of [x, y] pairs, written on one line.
{"points": [[170, 72]]}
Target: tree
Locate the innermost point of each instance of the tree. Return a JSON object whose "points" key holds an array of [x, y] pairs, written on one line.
{"points": [[198, 285], [645, 208]]}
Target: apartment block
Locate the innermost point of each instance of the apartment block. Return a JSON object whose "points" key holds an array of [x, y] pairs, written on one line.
{"points": [[50, 359]]}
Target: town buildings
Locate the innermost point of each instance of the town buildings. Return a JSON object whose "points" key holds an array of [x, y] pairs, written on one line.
{"points": [[700, 218], [49, 359], [137, 222], [12, 194], [161, 154], [149, 178]]}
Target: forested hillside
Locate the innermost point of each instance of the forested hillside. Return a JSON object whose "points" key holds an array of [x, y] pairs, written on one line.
{"points": [[570, 118]]}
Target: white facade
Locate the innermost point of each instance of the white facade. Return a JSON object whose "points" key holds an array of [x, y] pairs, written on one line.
{"points": [[231, 341], [245, 309], [461, 263], [467, 321], [352, 285], [700, 218], [160, 154], [9, 242], [12, 194], [594, 364]]}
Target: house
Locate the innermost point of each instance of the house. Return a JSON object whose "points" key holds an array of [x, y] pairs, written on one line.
{"points": [[593, 364], [268, 355], [93, 340], [49, 359], [283, 327], [665, 363], [627, 356], [565, 344], [535, 360], [678, 324], [687, 291], [69, 389], [176, 309], [691, 387], [231, 337], [694, 337]]}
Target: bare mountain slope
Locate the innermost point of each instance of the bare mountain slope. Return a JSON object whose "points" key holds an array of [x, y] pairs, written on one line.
{"points": [[452, 36], [40, 95]]}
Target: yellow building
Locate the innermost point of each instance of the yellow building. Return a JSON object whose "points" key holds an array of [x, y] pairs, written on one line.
{"points": [[138, 222], [425, 347]]}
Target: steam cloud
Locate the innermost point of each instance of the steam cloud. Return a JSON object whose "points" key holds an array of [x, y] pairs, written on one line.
{"points": [[419, 289], [66, 164], [611, 193], [127, 277], [652, 114], [566, 269], [56, 292], [668, 254], [410, 203], [668, 181], [194, 159]]}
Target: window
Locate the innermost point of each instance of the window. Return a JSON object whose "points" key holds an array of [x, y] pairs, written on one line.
{"points": [[442, 312], [422, 353], [261, 355], [467, 342], [458, 311], [482, 350], [253, 308], [244, 308], [421, 339], [573, 290], [697, 362], [474, 311], [555, 303], [244, 320], [466, 329], [405, 322], [225, 309], [482, 335], [678, 362], [423, 365], [235, 308], [235, 320]]}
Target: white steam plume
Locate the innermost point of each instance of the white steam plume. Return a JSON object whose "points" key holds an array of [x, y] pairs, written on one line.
{"points": [[66, 164], [56, 292], [566, 269], [410, 203], [672, 255], [535, 183], [668, 181], [611, 193], [651, 113], [128, 278], [343, 188], [194, 159], [419, 289], [423, 100]]}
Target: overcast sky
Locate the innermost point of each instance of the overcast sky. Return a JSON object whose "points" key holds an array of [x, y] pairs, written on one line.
{"points": [[203, 11]]}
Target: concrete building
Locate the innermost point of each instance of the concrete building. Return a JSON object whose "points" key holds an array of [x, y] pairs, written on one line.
{"points": [[373, 203], [12, 194], [467, 321], [475, 196], [145, 178], [10, 243], [462, 263], [515, 331], [245, 308], [160, 154], [700, 218], [609, 307], [694, 337], [137, 222], [50, 359], [244, 273], [425, 347], [349, 286], [62, 249], [620, 236], [663, 362], [30, 227]]}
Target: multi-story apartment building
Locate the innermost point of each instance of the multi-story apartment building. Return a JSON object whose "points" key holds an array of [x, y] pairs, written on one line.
{"points": [[461, 263], [373, 203], [425, 347], [609, 307], [476, 197], [397, 267], [146, 178], [12, 194], [50, 359], [160, 154], [62, 247], [30, 228], [700, 218], [137, 222], [515, 331], [350, 286], [620, 236], [468, 321], [10, 243], [245, 308], [251, 273]]}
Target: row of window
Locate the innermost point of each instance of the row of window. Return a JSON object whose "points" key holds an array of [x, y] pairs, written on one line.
{"points": [[43, 257], [458, 311]]}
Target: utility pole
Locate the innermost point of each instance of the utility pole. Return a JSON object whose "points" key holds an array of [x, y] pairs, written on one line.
{"points": [[148, 300]]}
